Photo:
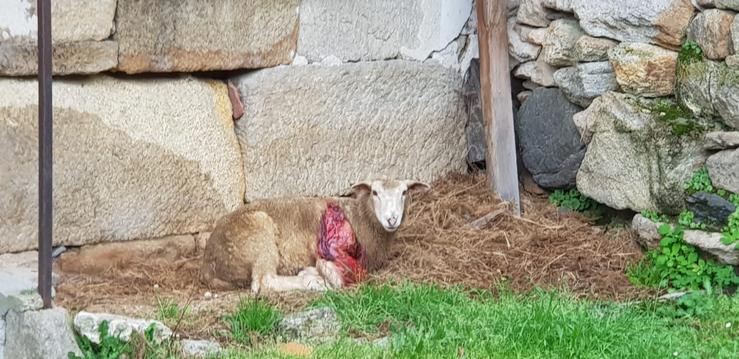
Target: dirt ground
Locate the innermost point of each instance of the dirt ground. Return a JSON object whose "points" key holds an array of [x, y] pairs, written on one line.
{"points": [[457, 234]]}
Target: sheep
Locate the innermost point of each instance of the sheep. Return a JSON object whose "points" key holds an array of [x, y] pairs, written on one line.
{"points": [[272, 244]]}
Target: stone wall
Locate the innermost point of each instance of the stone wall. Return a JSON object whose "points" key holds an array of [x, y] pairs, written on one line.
{"points": [[653, 84], [150, 140], [170, 114]]}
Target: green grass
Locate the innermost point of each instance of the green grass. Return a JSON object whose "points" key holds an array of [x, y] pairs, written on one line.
{"points": [[428, 322], [253, 317], [169, 312]]}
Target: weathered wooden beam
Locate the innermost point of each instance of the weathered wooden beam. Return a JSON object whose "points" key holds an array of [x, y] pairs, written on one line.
{"points": [[497, 104]]}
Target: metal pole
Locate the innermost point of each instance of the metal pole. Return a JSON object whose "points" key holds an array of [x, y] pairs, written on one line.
{"points": [[45, 151]]}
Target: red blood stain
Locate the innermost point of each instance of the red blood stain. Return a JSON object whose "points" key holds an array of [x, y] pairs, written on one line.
{"points": [[337, 243]]}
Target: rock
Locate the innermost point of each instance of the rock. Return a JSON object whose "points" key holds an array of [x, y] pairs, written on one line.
{"points": [[204, 35], [360, 31], [88, 325], [315, 130], [559, 44], [73, 20], [719, 140], [168, 162], [199, 348], [659, 22], [97, 258], [312, 324], [548, 139], [39, 335], [648, 236], [237, 108], [79, 37], [711, 243], [723, 168], [727, 4], [2, 337], [560, 5], [643, 69], [735, 36], [19, 282], [711, 209], [533, 13], [86, 57], [529, 85], [710, 88], [538, 72], [695, 87], [521, 50], [523, 96], [633, 160], [733, 60], [533, 35], [586, 81], [475, 129], [589, 48], [711, 29]]}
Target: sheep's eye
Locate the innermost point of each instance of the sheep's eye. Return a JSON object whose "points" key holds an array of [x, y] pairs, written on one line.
{"points": [[404, 192], [374, 193]]}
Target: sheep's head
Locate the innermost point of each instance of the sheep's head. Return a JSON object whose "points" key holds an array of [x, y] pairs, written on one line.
{"points": [[388, 199]]}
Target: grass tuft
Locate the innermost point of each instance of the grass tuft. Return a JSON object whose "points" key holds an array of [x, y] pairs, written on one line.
{"points": [[253, 317]]}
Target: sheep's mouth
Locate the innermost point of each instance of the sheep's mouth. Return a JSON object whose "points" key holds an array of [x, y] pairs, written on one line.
{"points": [[391, 228]]}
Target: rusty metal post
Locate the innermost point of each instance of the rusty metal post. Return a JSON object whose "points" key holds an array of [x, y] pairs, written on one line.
{"points": [[45, 203]]}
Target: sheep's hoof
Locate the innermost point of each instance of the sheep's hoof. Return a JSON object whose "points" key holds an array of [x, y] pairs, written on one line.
{"points": [[315, 282]]}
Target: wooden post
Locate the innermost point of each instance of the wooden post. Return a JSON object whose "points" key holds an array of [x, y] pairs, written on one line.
{"points": [[497, 105]]}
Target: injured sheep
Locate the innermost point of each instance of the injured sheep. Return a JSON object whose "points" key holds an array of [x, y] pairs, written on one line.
{"points": [[307, 243]]}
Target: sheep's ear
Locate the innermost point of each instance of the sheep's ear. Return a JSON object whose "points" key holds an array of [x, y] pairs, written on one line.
{"points": [[417, 186], [360, 188]]}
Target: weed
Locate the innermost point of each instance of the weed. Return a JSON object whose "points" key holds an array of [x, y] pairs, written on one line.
{"points": [[654, 216], [687, 219], [680, 267], [643, 273], [690, 52], [147, 346], [700, 182], [573, 200], [169, 312], [679, 119], [252, 317], [730, 233], [109, 347]]}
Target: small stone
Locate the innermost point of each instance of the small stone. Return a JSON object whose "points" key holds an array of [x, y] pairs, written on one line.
{"points": [[710, 209], [156, 286], [558, 48], [727, 4], [237, 108], [208, 295], [310, 325], [719, 140], [538, 72], [710, 242], [586, 81], [723, 167], [588, 48], [57, 251], [728, 325], [643, 69], [517, 47], [523, 96], [673, 296], [300, 60], [711, 29], [39, 334], [648, 236], [199, 348], [87, 324], [733, 60], [533, 35]]}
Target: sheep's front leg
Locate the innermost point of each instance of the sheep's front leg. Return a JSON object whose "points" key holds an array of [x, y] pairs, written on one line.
{"points": [[330, 272], [277, 283]]}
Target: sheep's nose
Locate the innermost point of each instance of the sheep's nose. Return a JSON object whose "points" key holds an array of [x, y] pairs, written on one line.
{"points": [[391, 221]]}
